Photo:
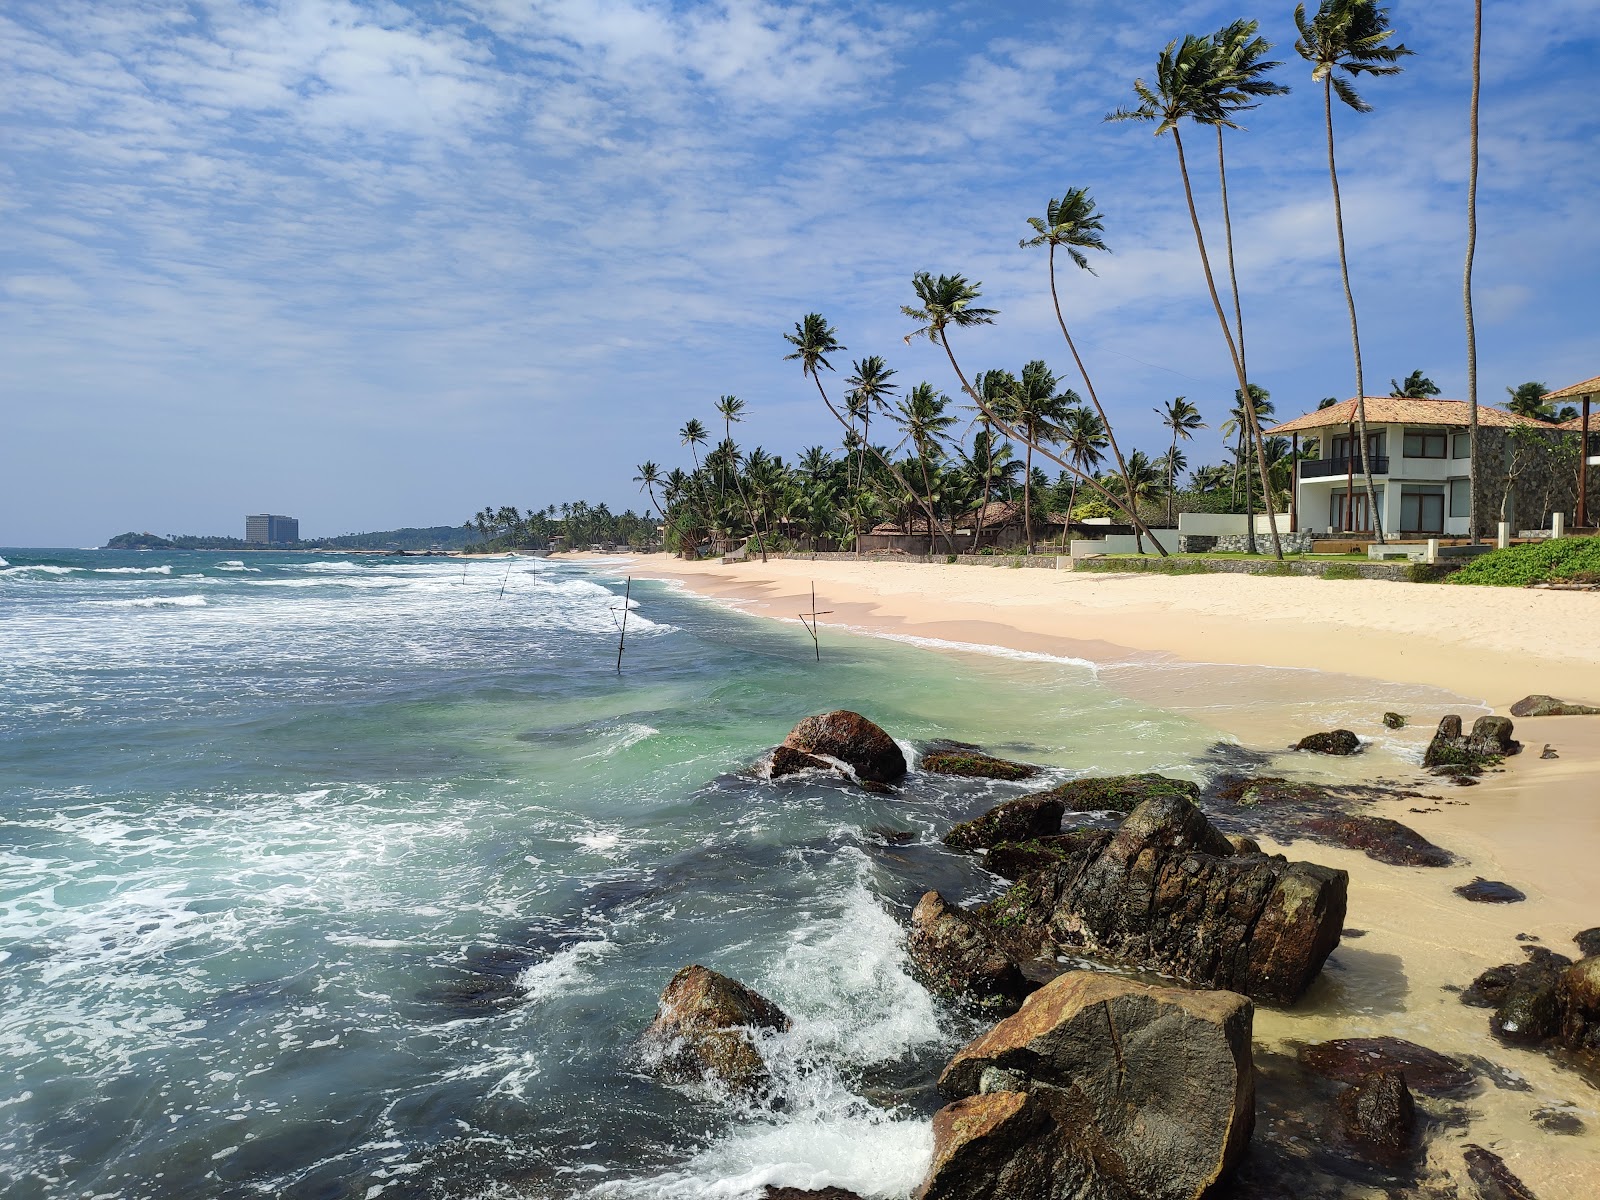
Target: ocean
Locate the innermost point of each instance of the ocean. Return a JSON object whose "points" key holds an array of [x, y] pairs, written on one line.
{"points": [[358, 876]]}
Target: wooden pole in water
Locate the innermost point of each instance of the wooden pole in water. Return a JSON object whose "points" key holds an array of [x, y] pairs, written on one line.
{"points": [[505, 581], [811, 624], [622, 636]]}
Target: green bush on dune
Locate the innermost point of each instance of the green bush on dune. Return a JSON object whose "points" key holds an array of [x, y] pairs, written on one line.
{"points": [[1560, 560]]}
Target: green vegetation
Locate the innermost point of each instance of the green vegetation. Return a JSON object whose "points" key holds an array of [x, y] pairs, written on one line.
{"points": [[1559, 560], [578, 526], [1341, 570]]}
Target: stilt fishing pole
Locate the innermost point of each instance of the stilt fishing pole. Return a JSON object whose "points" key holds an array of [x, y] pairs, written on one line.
{"points": [[622, 625], [504, 581], [812, 624]]}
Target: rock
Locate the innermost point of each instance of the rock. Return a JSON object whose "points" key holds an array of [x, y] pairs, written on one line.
{"points": [[1379, 1116], [1379, 838], [969, 762], [1119, 793], [960, 957], [788, 761], [1492, 1178], [1549, 706], [1578, 999], [1562, 1121], [1588, 941], [855, 741], [1351, 1060], [703, 1030], [1548, 753], [1337, 741], [1489, 742], [1013, 860], [1080, 1085], [788, 1193], [1243, 845], [1489, 891], [1269, 789], [1393, 720], [1167, 892], [1019, 820], [1523, 995]]}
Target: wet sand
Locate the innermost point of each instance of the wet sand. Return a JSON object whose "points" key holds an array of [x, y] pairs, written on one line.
{"points": [[1197, 644]]}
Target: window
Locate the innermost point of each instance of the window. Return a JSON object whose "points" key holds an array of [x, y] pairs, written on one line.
{"points": [[1460, 497], [1425, 443], [1422, 508], [1461, 447], [1354, 519], [1345, 445]]}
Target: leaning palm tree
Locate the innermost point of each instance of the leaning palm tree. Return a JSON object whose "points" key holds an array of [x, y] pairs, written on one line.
{"points": [[648, 478], [1350, 36], [1186, 86], [951, 300], [1038, 411], [995, 386], [1237, 85], [693, 435], [1466, 282], [1074, 225], [1183, 419], [814, 340], [731, 410]]}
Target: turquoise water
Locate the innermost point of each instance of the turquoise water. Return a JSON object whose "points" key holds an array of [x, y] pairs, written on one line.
{"points": [[359, 877]]}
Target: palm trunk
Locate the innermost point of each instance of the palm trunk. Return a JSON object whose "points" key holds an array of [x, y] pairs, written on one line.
{"points": [[1027, 501], [927, 490], [1110, 497], [1111, 437], [1355, 333], [1466, 290], [734, 466], [1227, 230], [988, 475], [1172, 476], [898, 478], [1233, 353]]}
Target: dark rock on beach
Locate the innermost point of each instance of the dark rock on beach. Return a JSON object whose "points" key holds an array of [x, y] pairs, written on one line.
{"points": [[1560, 1121], [1588, 942], [1578, 999], [1379, 838], [970, 762], [1394, 720], [704, 1027], [1492, 1178], [1489, 891], [1549, 706], [1336, 741], [1489, 742], [787, 1193], [852, 739], [962, 958], [1120, 793], [1249, 791], [1351, 1060], [1013, 860], [1167, 892], [1379, 1117], [1017, 820], [1076, 1096], [788, 761], [1524, 996]]}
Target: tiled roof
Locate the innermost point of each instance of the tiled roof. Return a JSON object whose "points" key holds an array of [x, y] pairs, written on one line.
{"points": [[1576, 424], [1404, 410], [1589, 387]]}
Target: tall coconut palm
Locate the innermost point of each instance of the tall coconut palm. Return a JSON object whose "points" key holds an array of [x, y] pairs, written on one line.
{"points": [[693, 435], [995, 386], [1466, 282], [1083, 437], [1038, 410], [923, 414], [1187, 87], [1074, 225], [1416, 386], [731, 410], [951, 300], [648, 478], [1238, 84], [1182, 418], [814, 340], [1350, 36], [870, 389]]}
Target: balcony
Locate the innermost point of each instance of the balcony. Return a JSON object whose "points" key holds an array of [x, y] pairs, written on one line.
{"points": [[1324, 468]]}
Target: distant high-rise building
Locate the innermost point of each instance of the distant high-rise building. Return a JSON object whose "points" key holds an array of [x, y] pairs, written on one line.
{"points": [[270, 530]]}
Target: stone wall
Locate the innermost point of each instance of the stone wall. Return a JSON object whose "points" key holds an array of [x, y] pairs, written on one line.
{"points": [[1293, 543], [1546, 478]]}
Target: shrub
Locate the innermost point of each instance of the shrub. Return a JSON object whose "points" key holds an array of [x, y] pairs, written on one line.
{"points": [[1559, 560], [1342, 571]]}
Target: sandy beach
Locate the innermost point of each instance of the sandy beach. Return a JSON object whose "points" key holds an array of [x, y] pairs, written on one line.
{"points": [[1536, 824]]}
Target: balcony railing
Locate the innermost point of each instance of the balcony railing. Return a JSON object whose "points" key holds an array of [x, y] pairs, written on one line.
{"points": [[1322, 468]]}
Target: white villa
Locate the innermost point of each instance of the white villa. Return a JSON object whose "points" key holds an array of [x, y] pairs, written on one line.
{"points": [[1418, 450]]}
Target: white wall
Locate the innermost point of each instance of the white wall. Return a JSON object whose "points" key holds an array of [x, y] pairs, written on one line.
{"points": [[1125, 543], [1227, 524]]}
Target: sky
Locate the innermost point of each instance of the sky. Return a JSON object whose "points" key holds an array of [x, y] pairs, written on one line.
{"points": [[376, 264]]}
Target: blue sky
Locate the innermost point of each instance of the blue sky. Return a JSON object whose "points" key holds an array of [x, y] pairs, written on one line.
{"points": [[377, 264]]}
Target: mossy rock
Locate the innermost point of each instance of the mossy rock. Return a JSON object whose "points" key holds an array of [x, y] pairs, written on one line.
{"points": [[1394, 720], [1269, 789], [1119, 793], [1013, 860], [972, 763]]}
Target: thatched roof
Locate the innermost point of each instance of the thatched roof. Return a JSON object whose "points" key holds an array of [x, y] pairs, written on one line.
{"points": [[1589, 387], [1405, 410]]}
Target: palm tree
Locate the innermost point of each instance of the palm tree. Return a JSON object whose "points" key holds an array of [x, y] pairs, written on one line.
{"points": [[922, 414], [1238, 85], [1240, 420], [995, 386], [1143, 483], [648, 478], [1074, 224], [870, 388], [1038, 411], [951, 300], [1348, 36], [731, 410], [814, 340], [1083, 437], [1187, 86], [1183, 419], [1417, 386], [692, 435], [1466, 282]]}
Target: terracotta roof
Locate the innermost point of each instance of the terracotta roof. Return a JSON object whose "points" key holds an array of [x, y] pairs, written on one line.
{"points": [[1404, 410], [1589, 387], [1576, 424]]}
